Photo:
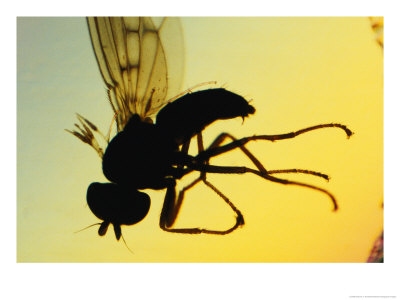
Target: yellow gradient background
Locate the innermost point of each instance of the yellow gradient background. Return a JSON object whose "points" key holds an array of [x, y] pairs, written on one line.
{"points": [[298, 72]]}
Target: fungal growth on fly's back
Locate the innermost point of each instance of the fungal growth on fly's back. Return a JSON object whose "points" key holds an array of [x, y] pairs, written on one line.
{"points": [[141, 62]]}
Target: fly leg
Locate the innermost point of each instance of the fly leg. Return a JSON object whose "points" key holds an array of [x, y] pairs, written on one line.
{"points": [[210, 152], [172, 205], [239, 216], [185, 150], [217, 151], [242, 170]]}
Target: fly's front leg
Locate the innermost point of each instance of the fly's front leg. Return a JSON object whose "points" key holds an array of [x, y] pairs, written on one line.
{"points": [[239, 216], [172, 206]]}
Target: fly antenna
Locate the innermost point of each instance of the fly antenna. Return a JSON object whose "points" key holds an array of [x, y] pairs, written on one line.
{"points": [[126, 244], [87, 227]]}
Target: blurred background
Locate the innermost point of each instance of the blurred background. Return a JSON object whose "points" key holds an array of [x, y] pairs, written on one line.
{"points": [[298, 72]]}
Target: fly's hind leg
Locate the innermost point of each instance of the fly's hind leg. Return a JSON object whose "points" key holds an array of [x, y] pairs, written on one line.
{"points": [[242, 170], [213, 150]]}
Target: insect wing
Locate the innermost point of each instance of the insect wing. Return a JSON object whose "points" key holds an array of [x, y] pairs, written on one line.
{"points": [[377, 26], [132, 56]]}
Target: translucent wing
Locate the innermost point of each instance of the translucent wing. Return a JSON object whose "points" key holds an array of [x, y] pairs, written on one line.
{"points": [[141, 61], [377, 26], [132, 56]]}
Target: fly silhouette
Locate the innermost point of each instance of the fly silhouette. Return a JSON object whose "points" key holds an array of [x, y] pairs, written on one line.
{"points": [[133, 55]]}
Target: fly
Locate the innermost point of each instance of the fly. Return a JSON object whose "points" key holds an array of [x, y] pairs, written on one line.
{"points": [[132, 58]]}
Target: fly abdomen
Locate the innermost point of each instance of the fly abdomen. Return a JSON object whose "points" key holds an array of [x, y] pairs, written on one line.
{"points": [[190, 114]]}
